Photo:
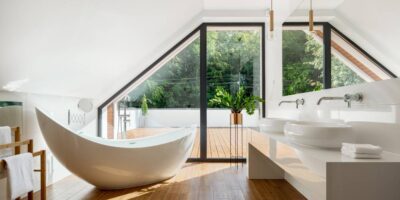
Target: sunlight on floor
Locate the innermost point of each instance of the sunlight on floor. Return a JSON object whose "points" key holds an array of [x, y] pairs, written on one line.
{"points": [[195, 181]]}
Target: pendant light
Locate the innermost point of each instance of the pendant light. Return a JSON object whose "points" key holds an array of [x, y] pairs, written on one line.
{"points": [[271, 20], [311, 18]]}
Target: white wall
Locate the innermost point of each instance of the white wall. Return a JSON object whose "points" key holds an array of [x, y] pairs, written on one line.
{"points": [[57, 107]]}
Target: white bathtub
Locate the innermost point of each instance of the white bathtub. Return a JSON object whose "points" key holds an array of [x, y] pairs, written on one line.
{"points": [[118, 164]]}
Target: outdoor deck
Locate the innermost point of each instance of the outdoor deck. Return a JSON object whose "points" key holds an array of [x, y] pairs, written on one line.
{"points": [[217, 139]]}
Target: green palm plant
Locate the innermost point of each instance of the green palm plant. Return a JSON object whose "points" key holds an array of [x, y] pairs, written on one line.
{"points": [[236, 102]]}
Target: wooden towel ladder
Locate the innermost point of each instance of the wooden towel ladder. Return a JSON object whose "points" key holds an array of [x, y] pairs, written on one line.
{"points": [[42, 153]]}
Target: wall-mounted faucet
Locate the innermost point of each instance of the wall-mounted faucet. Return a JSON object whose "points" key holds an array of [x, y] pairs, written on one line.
{"points": [[347, 98], [297, 102]]}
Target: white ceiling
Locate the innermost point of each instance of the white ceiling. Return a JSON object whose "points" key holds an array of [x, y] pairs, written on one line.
{"points": [[264, 4], [321, 4], [375, 26], [91, 48], [80, 47], [235, 4]]}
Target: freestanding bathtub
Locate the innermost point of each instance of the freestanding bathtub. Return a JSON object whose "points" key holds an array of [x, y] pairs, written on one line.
{"points": [[118, 164]]}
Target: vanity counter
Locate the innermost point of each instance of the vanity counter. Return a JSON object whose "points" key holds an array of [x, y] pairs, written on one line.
{"points": [[322, 173]]}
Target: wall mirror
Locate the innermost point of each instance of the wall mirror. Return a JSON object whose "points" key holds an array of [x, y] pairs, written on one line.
{"points": [[339, 50], [11, 114]]}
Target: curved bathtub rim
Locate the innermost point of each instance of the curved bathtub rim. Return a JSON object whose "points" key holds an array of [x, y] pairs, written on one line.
{"points": [[120, 140]]}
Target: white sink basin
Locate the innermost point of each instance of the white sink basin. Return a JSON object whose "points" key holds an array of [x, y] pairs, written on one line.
{"points": [[273, 125], [319, 134]]}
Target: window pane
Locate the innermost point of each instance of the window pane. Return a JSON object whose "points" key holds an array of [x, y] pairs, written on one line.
{"points": [[302, 60], [350, 66], [233, 60], [176, 84], [165, 99]]}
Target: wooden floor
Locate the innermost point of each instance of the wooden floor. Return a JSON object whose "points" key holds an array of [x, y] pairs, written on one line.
{"points": [[218, 140], [196, 181]]}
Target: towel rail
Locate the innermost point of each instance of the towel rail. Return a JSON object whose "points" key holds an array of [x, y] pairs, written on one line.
{"points": [[17, 138], [42, 153]]}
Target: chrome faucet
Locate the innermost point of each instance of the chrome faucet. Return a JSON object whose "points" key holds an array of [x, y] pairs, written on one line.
{"points": [[347, 98], [297, 102]]}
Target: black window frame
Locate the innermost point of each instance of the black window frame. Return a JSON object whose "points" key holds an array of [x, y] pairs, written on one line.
{"points": [[327, 29], [202, 29]]}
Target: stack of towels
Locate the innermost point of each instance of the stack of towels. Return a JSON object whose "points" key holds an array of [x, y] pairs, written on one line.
{"points": [[361, 150]]}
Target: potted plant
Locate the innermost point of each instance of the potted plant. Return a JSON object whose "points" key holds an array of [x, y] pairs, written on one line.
{"points": [[144, 108], [236, 103]]}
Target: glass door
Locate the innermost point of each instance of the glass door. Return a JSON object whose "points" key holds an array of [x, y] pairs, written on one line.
{"points": [[234, 62]]}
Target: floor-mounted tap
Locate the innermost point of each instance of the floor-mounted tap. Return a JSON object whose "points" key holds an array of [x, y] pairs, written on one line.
{"points": [[297, 102], [347, 98]]}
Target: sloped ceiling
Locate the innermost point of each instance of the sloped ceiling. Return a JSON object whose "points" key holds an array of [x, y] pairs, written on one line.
{"points": [[79, 47], [90, 48], [234, 4], [378, 23], [321, 4]]}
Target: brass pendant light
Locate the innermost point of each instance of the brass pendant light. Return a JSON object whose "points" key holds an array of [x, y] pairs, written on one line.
{"points": [[271, 21], [271, 18], [311, 18]]}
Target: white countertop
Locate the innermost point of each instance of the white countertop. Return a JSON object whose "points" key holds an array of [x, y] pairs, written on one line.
{"points": [[329, 155], [312, 160]]}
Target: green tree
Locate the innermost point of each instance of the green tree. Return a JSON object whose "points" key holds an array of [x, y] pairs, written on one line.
{"points": [[233, 59], [303, 65]]}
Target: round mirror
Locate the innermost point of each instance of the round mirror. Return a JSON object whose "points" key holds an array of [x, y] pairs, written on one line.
{"points": [[85, 105]]}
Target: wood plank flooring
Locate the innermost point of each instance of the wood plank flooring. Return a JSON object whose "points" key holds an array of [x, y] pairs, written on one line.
{"points": [[196, 181], [218, 140]]}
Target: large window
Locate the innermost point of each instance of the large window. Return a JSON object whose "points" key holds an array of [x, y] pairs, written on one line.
{"points": [[175, 90], [163, 99], [324, 58], [176, 84], [350, 65]]}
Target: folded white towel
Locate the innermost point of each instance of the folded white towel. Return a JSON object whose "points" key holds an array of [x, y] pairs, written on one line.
{"points": [[20, 174], [361, 155], [362, 148], [5, 138]]}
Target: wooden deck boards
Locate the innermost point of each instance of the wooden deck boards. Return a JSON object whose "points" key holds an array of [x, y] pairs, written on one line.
{"points": [[218, 140]]}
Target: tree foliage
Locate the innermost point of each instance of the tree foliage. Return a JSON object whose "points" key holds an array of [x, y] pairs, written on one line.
{"points": [[303, 65], [233, 59]]}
